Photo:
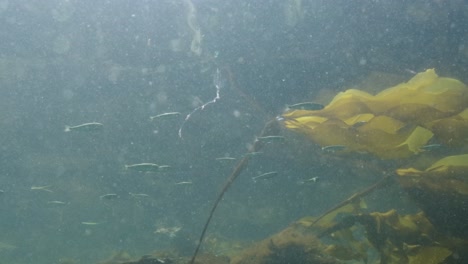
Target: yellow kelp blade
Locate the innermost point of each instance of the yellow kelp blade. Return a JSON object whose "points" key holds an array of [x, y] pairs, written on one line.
{"points": [[381, 135], [302, 119], [428, 254], [452, 131], [416, 114], [444, 166], [426, 88], [418, 138], [451, 164], [384, 123], [349, 104], [359, 119], [395, 123], [441, 191], [399, 238]]}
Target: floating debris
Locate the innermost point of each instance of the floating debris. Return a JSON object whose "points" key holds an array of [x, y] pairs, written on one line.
{"points": [[269, 139], [183, 183], [306, 106], [217, 83], [333, 148], [143, 167], [165, 115], [42, 188], [265, 176], [109, 196], [86, 127]]}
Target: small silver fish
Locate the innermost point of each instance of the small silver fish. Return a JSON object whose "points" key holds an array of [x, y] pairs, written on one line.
{"points": [[109, 196], [269, 139], [136, 195], [313, 179], [183, 183], [57, 202], [225, 158], [165, 115], [90, 223], [143, 167], [87, 127], [265, 176], [42, 188], [164, 167], [333, 148], [305, 106], [430, 147], [170, 231]]}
